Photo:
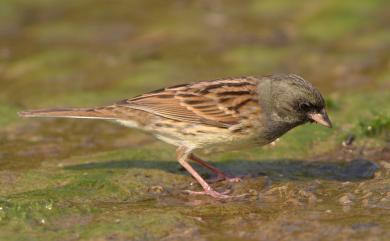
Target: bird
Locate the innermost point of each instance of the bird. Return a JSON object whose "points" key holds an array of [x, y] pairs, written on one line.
{"points": [[225, 113]]}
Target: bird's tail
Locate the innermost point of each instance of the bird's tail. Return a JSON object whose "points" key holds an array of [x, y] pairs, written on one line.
{"points": [[88, 113]]}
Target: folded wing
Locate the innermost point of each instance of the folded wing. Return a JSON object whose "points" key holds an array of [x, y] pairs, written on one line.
{"points": [[215, 103]]}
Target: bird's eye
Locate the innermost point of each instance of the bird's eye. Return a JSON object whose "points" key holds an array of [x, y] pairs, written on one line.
{"points": [[304, 106]]}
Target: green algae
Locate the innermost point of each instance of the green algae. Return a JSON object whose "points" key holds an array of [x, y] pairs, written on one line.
{"points": [[334, 19], [378, 124], [7, 114]]}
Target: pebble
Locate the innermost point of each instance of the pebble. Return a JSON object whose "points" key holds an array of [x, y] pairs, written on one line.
{"points": [[311, 197], [385, 164], [367, 195], [345, 183], [157, 189], [252, 192], [346, 199], [349, 140]]}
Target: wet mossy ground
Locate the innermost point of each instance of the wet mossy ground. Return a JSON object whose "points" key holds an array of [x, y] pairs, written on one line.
{"points": [[93, 180]]}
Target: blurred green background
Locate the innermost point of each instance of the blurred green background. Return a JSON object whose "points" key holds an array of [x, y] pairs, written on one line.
{"points": [[92, 180]]}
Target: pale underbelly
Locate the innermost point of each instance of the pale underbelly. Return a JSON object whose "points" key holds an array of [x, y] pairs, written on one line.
{"points": [[222, 141], [201, 137]]}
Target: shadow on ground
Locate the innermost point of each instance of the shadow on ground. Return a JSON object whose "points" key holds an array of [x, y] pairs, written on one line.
{"points": [[281, 170]]}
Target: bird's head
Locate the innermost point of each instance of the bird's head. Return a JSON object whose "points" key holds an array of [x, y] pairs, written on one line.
{"points": [[296, 101]]}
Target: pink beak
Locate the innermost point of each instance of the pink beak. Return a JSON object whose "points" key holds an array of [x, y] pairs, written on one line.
{"points": [[321, 118]]}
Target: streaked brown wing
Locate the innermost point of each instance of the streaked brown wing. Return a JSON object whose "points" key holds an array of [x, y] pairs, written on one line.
{"points": [[215, 103]]}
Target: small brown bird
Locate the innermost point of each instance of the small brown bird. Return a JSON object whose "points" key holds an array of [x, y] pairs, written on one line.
{"points": [[228, 113]]}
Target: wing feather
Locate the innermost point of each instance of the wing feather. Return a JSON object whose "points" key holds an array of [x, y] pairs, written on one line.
{"points": [[216, 103]]}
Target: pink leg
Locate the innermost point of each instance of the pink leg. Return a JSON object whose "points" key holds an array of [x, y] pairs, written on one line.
{"points": [[183, 155], [221, 176]]}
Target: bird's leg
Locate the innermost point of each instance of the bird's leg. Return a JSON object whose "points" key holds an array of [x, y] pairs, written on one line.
{"points": [[221, 176], [183, 155]]}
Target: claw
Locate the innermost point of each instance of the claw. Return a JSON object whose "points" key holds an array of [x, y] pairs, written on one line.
{"points": [[183, 154], [212, 193], [215, 194], [221, 178]]}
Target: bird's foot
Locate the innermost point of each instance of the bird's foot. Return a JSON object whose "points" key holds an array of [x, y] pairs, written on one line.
{"points": [[215, 194], [224, 177], [210, 192]]}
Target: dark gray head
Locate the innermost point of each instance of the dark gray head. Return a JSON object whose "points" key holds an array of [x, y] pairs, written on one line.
{"points": [[293, 100]]}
